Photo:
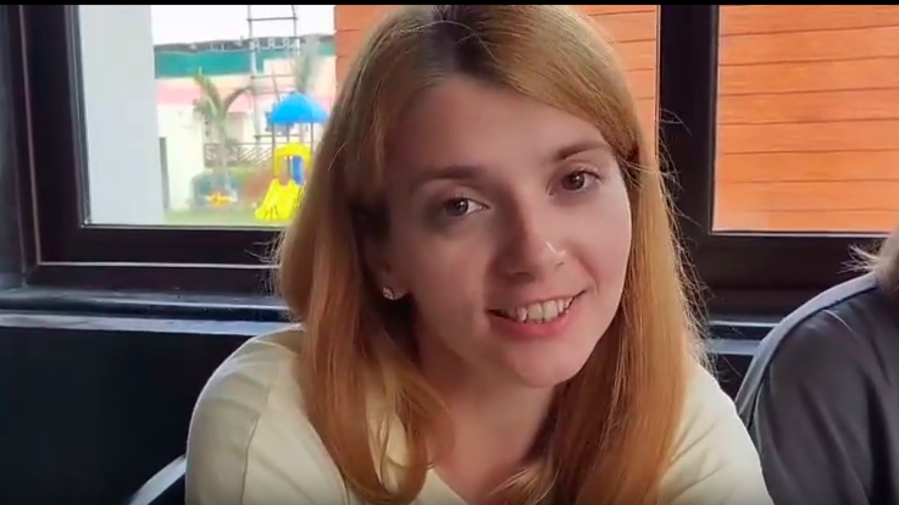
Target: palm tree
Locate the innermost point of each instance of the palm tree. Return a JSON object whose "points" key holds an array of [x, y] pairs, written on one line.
{"points": [[305, 65], [214, 110], [304, 69]]}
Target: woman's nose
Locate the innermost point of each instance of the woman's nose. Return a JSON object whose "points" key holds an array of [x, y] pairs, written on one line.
{"points": [[531, 251]]}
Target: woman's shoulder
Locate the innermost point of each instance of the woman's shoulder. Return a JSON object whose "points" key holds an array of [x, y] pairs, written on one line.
{"points": [[250, 440], [257, 376], [714, 461], [258, 361]]}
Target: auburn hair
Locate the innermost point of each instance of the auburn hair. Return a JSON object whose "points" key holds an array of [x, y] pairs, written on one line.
{"points": [[611, 433]]}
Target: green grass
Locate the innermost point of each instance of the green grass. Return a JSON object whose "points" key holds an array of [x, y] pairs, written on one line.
{"points": [[226, 218]]}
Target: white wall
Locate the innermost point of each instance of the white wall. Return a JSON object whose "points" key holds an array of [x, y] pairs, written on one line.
{"points": [[183, 131], [124, 176]]}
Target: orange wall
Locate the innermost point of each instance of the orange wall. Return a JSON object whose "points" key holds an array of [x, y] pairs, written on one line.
{"points": [[808, 134], [350, 25], [632, 26], [808, 115]]}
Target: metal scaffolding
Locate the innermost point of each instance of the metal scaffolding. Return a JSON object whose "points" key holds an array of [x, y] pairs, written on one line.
{"points": [[292, 46]]}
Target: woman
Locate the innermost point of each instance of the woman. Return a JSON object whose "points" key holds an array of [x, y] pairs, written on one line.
{"points": [[490, 289], [822, 394]]}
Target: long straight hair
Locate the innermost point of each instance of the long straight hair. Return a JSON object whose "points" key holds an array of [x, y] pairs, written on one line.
{"points": [[609, 438]]}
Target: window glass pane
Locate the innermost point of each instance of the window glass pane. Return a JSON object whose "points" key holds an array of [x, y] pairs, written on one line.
{"points": [[182, 135], [185, 128], [808, 118]]}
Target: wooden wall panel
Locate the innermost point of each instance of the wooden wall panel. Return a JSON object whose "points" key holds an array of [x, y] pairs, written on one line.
{"points": [[351, 23], [767, 19], [808, 111], [631, 27], [808, 118]]}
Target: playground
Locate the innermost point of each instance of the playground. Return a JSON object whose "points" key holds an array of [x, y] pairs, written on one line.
{"points": [[265, 194]]}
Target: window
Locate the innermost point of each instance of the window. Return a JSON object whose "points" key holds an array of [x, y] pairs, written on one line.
{"points": [[786, 142], [782, 142], [228, 180], [209, 103], [808, 119]]}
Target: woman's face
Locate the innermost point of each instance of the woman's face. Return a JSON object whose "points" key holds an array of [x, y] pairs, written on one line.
{"points": [[510, 231]]}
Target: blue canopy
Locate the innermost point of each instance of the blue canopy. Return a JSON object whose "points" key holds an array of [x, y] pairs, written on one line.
{"points": [[297, 108]]}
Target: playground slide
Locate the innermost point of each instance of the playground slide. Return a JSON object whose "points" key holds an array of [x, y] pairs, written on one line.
{"points": [[280, 202]]}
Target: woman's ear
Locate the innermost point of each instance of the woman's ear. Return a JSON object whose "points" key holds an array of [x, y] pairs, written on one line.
{"points": [[379, 259]]}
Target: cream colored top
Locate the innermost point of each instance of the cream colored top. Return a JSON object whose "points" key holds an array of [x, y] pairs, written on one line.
{"points": [[250, 442]]}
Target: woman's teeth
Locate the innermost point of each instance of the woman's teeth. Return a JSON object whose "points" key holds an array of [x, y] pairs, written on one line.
{"points": [[537, 313]]}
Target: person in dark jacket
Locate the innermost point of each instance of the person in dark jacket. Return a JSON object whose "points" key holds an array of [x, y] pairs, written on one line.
{"points": [[821, 399]]}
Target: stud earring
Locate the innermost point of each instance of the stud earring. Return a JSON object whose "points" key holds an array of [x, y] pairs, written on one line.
{"points": [[388, 293]]}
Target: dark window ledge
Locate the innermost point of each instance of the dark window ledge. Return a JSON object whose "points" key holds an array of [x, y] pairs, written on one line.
{"points": [[222, 322], [249, 315], [157, 325], [137, 304]]}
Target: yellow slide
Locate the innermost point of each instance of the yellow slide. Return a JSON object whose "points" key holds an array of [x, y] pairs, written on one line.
{"points": [[281, 201]]}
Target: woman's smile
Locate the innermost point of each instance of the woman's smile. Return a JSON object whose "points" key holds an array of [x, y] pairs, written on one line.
{"points": [[538, 320]]}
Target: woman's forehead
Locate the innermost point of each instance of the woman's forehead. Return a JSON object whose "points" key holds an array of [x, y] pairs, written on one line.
{"points": [[465, 123]]}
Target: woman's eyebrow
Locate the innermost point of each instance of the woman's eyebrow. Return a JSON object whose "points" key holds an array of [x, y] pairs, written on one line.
{"points": [[579, 147], [449, 172]]}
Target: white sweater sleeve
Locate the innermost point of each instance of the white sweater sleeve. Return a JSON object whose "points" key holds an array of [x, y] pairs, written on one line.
{"points": [[249, 441], [715, 461]]}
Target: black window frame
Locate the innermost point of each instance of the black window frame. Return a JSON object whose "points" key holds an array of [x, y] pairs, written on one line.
{"points": [[743, 272], [67, 251]]}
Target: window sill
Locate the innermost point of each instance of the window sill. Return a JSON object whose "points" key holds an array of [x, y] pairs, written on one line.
{"points": [[734, 333], [131, 304], [221, 323]]}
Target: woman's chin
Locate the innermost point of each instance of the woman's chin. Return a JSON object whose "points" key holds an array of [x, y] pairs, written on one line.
{"points": [[547, 372]]}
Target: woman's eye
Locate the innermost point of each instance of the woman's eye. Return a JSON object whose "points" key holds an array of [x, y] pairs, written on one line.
{"points": [[578, 181], [458, 207]]}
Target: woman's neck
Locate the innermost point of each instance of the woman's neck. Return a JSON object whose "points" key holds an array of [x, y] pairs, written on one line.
{"points": [[494, 422], [508, 418]]}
